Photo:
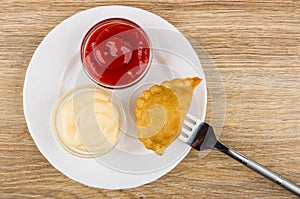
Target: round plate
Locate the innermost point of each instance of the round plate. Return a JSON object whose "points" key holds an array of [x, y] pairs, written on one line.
{"points": [[55, 68]]}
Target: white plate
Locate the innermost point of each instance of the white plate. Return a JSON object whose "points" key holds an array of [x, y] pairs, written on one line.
{"points": [[55, 68]]}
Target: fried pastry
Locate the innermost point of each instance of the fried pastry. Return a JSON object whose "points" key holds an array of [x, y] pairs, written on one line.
{"points": [[160, 112]]}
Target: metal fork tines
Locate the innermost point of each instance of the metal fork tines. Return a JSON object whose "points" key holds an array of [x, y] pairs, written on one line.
{"points": [[189, 128], [194, 133]]}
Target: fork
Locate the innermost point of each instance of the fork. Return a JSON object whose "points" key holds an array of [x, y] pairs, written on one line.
{"points": [[201, 136]]}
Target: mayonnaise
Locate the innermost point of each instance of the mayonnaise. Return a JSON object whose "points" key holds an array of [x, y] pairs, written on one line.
{"points": [[89, 121]]}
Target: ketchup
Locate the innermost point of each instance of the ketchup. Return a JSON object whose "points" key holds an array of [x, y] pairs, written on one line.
{"points": [[115, 52]]}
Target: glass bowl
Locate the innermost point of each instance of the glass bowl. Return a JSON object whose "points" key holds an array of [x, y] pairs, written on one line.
{"points": [[116, 53], [83, 123]]}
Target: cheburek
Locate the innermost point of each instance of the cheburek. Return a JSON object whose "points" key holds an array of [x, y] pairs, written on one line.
{"points": [[160, 112]]}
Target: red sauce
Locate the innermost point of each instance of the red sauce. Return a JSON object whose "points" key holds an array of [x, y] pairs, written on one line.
{"points": [[115, 52]]}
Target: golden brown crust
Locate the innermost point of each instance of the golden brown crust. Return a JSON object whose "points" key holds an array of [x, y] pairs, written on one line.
{"points": [[157, 113], [160, 112], [194, 81]]}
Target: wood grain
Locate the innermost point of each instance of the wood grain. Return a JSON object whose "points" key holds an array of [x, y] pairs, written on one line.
{"points": [[256, 45]]}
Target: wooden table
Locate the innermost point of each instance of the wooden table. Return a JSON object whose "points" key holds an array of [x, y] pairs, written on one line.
{"points": [[256, 46]]}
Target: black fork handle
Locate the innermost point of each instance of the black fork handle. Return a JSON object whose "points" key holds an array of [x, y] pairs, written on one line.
{"points": [[274, 177]]}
